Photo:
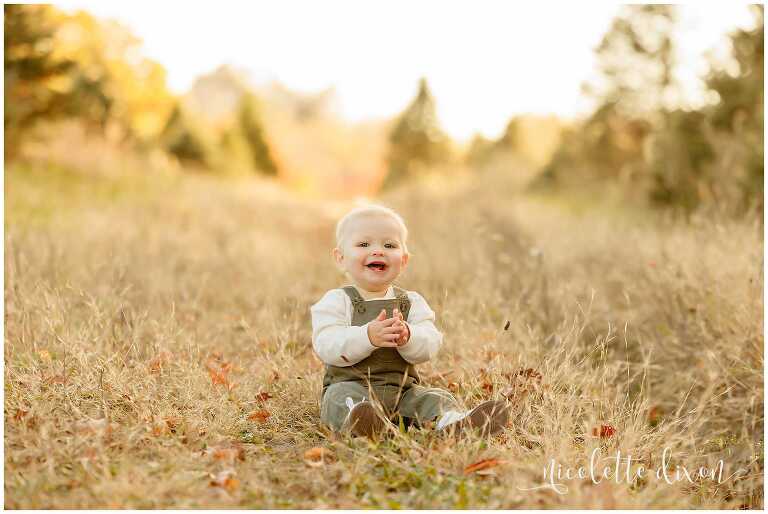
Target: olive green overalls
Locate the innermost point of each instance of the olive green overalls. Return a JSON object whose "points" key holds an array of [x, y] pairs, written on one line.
{"points": [[393, 381]]}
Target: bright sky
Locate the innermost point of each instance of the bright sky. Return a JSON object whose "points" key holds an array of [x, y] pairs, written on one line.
{"points": [[485, 60]]}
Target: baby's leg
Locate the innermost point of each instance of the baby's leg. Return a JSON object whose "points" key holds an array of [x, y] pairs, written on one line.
{"points": [[426, 403], [333, 406]]}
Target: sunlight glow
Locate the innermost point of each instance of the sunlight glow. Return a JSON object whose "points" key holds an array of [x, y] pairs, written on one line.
{"points": [[485, 62]]}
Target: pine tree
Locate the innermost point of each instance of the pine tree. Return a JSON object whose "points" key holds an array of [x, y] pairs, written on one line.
{"points": [[417, 140], [180, 138], [253, 132]]}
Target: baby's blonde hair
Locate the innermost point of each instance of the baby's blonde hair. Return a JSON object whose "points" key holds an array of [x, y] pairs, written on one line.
{"points": [[367, 210]]}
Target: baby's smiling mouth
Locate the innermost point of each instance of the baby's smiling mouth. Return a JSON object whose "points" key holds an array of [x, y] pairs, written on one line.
{"points": [[377, 266]]}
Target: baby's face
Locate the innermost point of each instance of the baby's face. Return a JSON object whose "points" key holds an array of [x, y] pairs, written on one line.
{"points": [[372, 252]]}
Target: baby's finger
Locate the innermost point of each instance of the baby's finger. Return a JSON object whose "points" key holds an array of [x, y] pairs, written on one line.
{"points": [[390, 330], [388, 344]]}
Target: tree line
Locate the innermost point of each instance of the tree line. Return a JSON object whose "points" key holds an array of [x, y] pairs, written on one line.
{"points": [[639, 136], [62, 66]]}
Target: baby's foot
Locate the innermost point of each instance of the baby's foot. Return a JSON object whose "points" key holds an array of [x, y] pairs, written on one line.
{"points": [[489, 418], [363, 420]]}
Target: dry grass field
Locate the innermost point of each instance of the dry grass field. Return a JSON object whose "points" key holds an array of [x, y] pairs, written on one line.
{"points": [[158, 349]]}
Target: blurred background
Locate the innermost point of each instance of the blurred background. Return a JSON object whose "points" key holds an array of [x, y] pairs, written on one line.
{"points": [[662, 106]]}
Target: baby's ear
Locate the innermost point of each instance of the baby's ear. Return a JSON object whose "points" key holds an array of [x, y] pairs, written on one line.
{"points": [[337, 256], [406, 258]]}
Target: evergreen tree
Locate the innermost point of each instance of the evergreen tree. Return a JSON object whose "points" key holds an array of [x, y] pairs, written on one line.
{"points": [[235, 154], [479, 151], [417, 140], [253, 132], [511, 140], [739, 116], [183, 140]]}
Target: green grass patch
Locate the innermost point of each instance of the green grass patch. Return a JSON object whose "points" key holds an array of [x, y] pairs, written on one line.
{"points": [[37, 195]]}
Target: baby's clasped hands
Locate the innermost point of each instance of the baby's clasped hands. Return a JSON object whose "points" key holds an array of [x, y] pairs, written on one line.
{"points": [[386, 332]]}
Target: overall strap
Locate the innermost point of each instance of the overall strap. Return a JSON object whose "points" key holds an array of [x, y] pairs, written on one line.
{"points": [[403, 302], [399, 293], [354, 296]]}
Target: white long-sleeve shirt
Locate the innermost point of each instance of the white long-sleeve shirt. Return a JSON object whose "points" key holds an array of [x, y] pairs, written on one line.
{"points": [[333, 335]]}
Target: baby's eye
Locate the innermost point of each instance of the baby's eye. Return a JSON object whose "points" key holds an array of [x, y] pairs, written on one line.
{"points": [[390, 245], [363, 244]]}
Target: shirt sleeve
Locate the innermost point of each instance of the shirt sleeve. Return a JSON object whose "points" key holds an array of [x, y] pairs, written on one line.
{"points": [[425, 339], [334, 339]]}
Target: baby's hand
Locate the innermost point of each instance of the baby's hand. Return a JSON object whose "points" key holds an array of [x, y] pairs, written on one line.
{"points": [[405, 334], [382, 331]]}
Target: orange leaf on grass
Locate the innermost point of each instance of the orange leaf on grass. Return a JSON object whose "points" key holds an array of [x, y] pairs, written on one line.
{"points": [[172, 422], [317, 456], [259, 415], [654, 415], [219, 372], [20, 414], [487, 387], [227, 453], [481, 465], [604, 431], [159, 361], [225, 479], [263, 397]]}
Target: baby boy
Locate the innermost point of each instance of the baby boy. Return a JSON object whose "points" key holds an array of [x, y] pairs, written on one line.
{"points": [[371, 333]]}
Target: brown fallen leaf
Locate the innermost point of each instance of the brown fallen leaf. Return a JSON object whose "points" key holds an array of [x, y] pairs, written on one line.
{"points": [[482, 465], [225, 479], [529, 373], [604, 432], [263, 396], [20, 414], [159, 361], [654, 415], [515, 392], [259, 416], [219, 371], [226, 452], [159, 429], [317, 456], [172, 422]]}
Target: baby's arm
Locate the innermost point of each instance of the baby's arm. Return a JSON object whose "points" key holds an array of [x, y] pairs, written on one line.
{"points": [[425, 340], [334, 340]]}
